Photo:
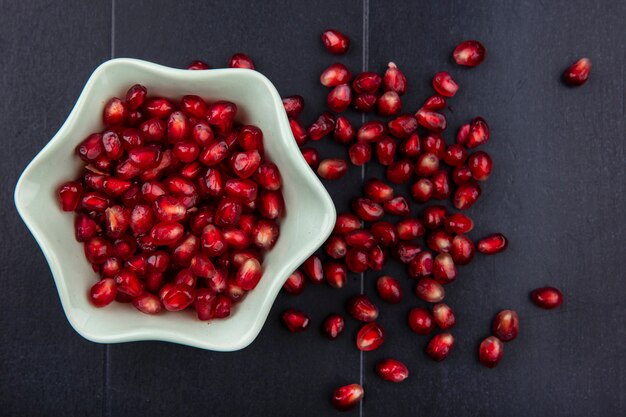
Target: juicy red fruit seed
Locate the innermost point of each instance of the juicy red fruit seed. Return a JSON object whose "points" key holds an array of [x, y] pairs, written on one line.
{"points": [[103, 292], [377, 191], [344, 132], [335, 42], [455, 155], [360, 153], [435, 102], [324, 124], [402, 126], [347, 397], [440, 346], [480, 165], [398, 206], [444, 269], [492, 244], [384, 233], [505, 325], [409, 229], [421, 265], [366, 82], [313, 269], [148, 303], [97, 250], [578, 73], [295, 283], [70, 195], [466, 195], [392, 370], [365, 102], [249, 274], [478, 133], [178, 298], [311, 156], [388, 104], [335, 75], [421, 321], [370, 337], [198, 65], [458, 223], [371, 131], [443, 316], [339, 98], [293, 105], [547, 297], [333, 326], [178, 127], [400, 171], [444, 84], [135, 96], [298, 131], [296, 321], [469, 53], [389, 289], [411, 146], [490, 352], [332, 168], [431, 120], [115, 112], [346, 222], [367, 210], [429, 290], [336, 247], [336, 274], [240, 60], [394, 79], [361, 308], [462, 250]]}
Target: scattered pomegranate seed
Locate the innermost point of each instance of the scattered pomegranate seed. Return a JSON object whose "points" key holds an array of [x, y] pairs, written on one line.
{"points": [[440, 346], [103, 292], [70, 195], [371, 131], [360, 238], [339, 98], [434, 216], [394, 80], [347, 397], [293, 105], [115, 112], [480, 165], [409, 229], [360, 153], [458, 223], [296, 321], [469, 53], [240, 60], [346, 222], [389, 289], [367, 210], [466, 195], [478, 133], [333, 326], [578, 73], [370, 337], [443, 316], [357, 260], [365, 102], [336, 247], [295, 283], [492, 244], [398, 206], [547, 297], [384, 233], [361, 308], [311, 157], [421, 321], [366, 82], [335, 75], [403, 126], [444, 269], [198, 65], [324, 124], [439, 241], [505, 325], [313, 269], [389, 104], [344, 132], [462, 250], [444, 84], [435, 102], [332, 168], [429, 290], [400, 171], [490, 352], [335, 42], [392, 370], [422, 190], [405, 252], [148, 303], [336, 274]]}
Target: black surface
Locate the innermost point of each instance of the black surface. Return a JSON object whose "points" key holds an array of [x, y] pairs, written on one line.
{"points": [[557, 192]]}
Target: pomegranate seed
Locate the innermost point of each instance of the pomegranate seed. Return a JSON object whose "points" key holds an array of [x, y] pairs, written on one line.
{"points": [[115, 187], [367, 210], [444, 84], [469, 53], [221, 113], [389, 104], [360, 153], [295, 283], [461, 174], [332, 168], [296, 321], [365, 102], [111, 267], [97, 250], [440, 346], [490, 352], [420, 321], [478, 133], [421, 265], [444, 269], [94, 201], [345, 223], [166, 233], [427, 164], [198, 65], [409, 229], [185, 250], [492, 244], [376, 258], [339, 98], [234, 292], [384, 233], [434, 216], [361, 308], [400, 171], [236, 239], [370, 337], [248, 274], [112, 145], [394, 80], [441, 185], [186, 151], [240, 60], [398, 206], [84, 227], [137, 264], [70, 195], [433, 143], [192, 106], [506, 325], [344, 132], [455, 155], [202, 134], [357, 260], [91, 148], [335, 75], [385, 151], [146, 157], [578, 73], [311, 157], [435, 102], [458, 223], [313, 269], [439, 241], [462, 250], [103, 293], [324, 124], [271, 205], [377, 191], [347, 397], [213, 243], [244, 164], [214, 182], [205, 303], [366, 82], [466, 195], [422, 190], [336, 247], [403, 126], [429, 290], [222, 307], [241, 190], [117, 220], [151, 190], [141, 219], [333, 326], [178, 298], [405, 252], [169, 209], [228, 212], [431, 120], [547, 297], [463, 134], [147, 303], [392, 370], [293, 105], [371, 131], [336, 274], [298, 131], [159, 107], [115, 112], [265, 234], [177, 127], [443, 316], [335, 42], [135, 96], [389, 289], [128, 283], [480, 165]]}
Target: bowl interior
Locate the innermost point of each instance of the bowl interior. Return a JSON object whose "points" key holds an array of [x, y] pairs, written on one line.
{"points": [[309, 220]]}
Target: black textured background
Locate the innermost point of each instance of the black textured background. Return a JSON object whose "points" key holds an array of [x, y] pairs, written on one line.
{"points": [[558, 192]]}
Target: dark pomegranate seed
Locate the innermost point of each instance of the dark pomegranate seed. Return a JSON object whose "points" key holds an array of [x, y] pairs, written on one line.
{"points": [[95, 201], [84, 227], [70, 195], [205, 303], [431, 120], [444, 84], [420, 321], [405, 252], [490, 352], [146, 157], [112, 145], [377, 191], [198, 65], [148, 303], [241, 189], [115, 112], [178, 127], [443, 316], [462, 250], [213, 243], [421, 265], [193, 106], [333, 326], [339, 98], [400, 171], [250, 138], [394, 79], [186, 151], [153, 130], [244, 164], [135, 96], [578, 73], [398, 206], [228, 212], [385, 151], [366, 82], [403, 126], [202, 266], [103, 293], [376, 258], [463, 134], [547, 297], [141, 219], [347, 397], [158, 107], [293, 105], [324, 124], [335, 75], [240, 60], [313, 269], [91, 148], [435, 102], [295, 283], [480, 165], [478, 133], [434, 216], [336, 247], [365, 102], [389, 289], [332, 168], [370, 337], [166, 233], [345, 223], [469, 53], [371, 131], [409, 229], [335, 42], [426, 165], [336, 274], [466, 195], [422, 190], [296, 321], [458, 223], [202, 134], [271, 205], [388, 104], [461, 174], [128, 283], [439, 241], [441, 184], [505, 325], [357, 260], [444, 269], [221, 113], [367, 210], [433, 143], [151, 190], [429, 290], [360, 153], [492, 244], [455, 155], [361, 308], [117, 220], [344, 132], [384, 233], [178, 298], [298, 131], [249, 274], [440, 346], [115, 187], [185, 250], [392, 370], [97, 250]]}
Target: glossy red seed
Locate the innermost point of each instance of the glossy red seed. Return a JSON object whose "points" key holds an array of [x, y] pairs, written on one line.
{"points": [[221, 113], [394, 79], [420, 320], [385, 151], [185, 249], [384, 233], [186, 151], [480, 165], [141, 219], [335, 75], [405, 252], [547, 297], [462, 250], [249, 274], [378, 191], [148, 303], [296, 321], [439, 346], [429, 290], [372, 131], [204, 303], [97, 250], [443, 316], [293, 105], [336, 247], [433, 143], [212, 241], [115, 112], [578, 73], [458, 223], [366, 82], [240, 60], [376, 258], [444, 269], [192, 105], [313, 269], [400, 171], [461, 174], [389, 104], [91, 148], [335, 42], [403, 126], [265, 234], [298, 131], [84, 227], [426, 165], [311, 156], [135, 96], [505, 325], [422, 190], [360, 153], [347, 397], [370, 337], [433, 216], [336, 274], [357, 260], [367, 210], [70, 195], [469, 53], [389, 289], [439, 241], [421, 265], [490, 351], [166, 233], [128, 283], [346, 222], [344, 132], [271, 205], [431, 120], [159, 107], [228, 212], [94, 201], [295, 283], [112, 145], [365, 102], [435, 102], [466, 195], [324, 125], [103, 292], [392, 370], [242, 190], [244, 164], [463, 134], [441, 184], [178, 298], [444, 84], [202, 134], [492, 244], [397, 206], [117, 220], [455, 155], [362, 308], [478, 133], [146, 157], [409, 229], [198, 65], [339, 98], [332, 168], [333, 326]]}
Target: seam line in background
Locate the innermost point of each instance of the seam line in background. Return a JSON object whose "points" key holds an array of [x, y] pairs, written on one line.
{"points": [[112, 29]]}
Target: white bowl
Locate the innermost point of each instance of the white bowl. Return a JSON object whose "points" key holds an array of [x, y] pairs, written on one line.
{"points": [[309, 220]]}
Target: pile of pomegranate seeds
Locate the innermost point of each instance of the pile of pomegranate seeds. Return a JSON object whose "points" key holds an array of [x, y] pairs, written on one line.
{"points": [[176, 203]]}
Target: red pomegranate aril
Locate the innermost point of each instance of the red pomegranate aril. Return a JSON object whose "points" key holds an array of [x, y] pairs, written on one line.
{"points": [[271, 205], [268, 176], [324, 125], [492, 244], [439, 241], [389, 289], [403, 126], [97, 250], [128, 283], [222, 307], [441, 185], [411, 146], [392, 370], [421, 265], [376, 258], [421, 321], [146, 244], [346, 222], [427, 164], [214, 182], [397, 206], [490, 351], [166, 233], [198, 65], [332, 168], [241, 189], [361, 308], [112, 145], [360, 153], [191, 170], [212, 241], [367, 210], [313, 269], [365, 102], [394, 80], [333, 326], [137, 263], [431, 120], [339, 98], [400, 171], [228, 212], [293, 105], [422, 190], [94, 201], [443, 316], [91, 148], [296, 321], [185, 250], [115, 112], [244, 164], [233, 291], [177, 127], [435, 102], [370, 337], [141, 219], [357, 260], [147, 303], [547, 297], [178, 298], [461, 174], [204, 303], [444, 269], [505, 325], [240, 60], [458, 223], [429, 290], [335, 75], [469, 53], [202, 134], [126, 170], [455, 155], [265, 234], [335, 42], [135, 96], [480, 165], [193, 106], [434, 216], [146, 157], [409, 229], [336, 274], [347, 397], [444, 84], [386, 151], [169, 209], [389, 104], [115, 187], [250, 138], [344, 132], [405, 252], [371, 131], [221, 113], [433, 143], [295, 283], [462, 250], [366, 82], [70, 195], [466, 195], [249, 274], [336, 247], [478, 133], [439, 346], [311, 156], [186, 151], [117, 220], [103, 292], [159, 107], [84, 227], [384, 233], [578, 73]]}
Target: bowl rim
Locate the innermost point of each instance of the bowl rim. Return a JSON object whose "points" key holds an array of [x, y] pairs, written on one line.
{"points": [[141, 333]]}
